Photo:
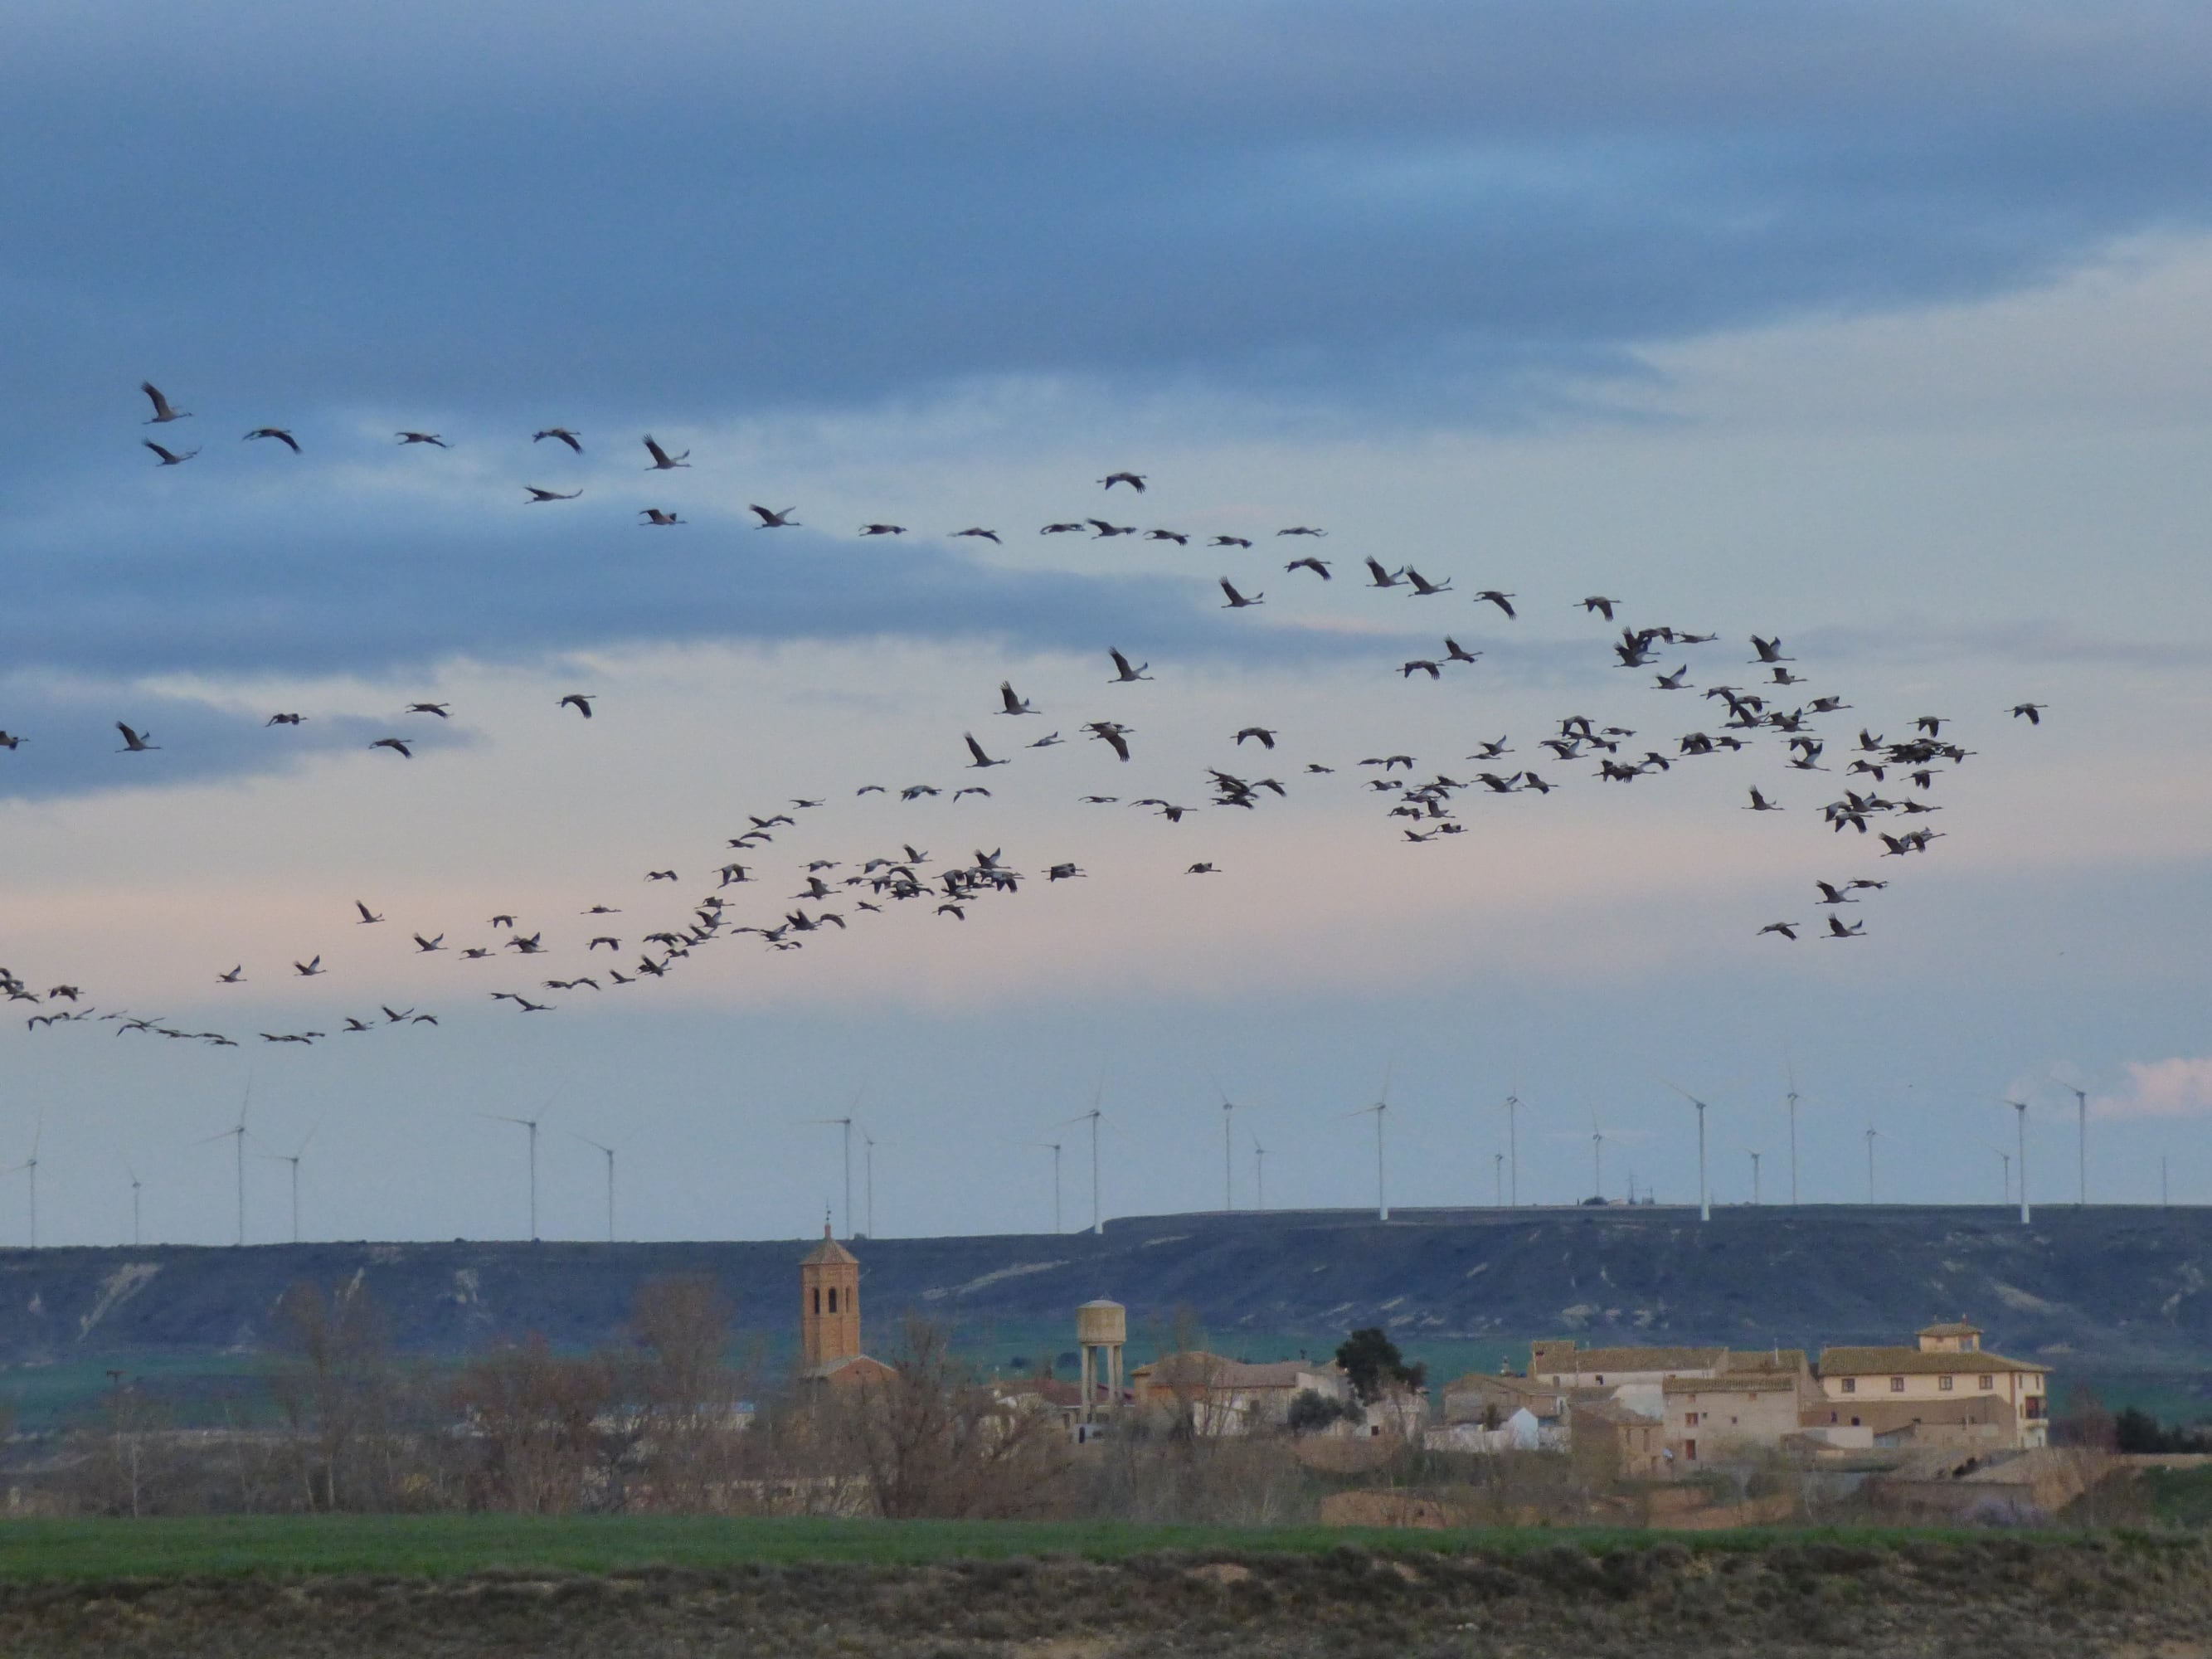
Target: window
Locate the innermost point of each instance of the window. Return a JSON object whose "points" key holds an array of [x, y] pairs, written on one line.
{"points": [[1690, 1450], [1689, 1419], [1943, 1382], [832, 1298], [1987, 1381], [1897, 1385], [817, 1300], [1850, 1385]]}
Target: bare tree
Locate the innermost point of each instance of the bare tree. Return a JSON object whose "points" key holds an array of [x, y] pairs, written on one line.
{"points": [[335, 1391], [930, 1439]]}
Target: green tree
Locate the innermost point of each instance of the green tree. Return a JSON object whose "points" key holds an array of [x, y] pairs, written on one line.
{"points": [[1373, 1363]]}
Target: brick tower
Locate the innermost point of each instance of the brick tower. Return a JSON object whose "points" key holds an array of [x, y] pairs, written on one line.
{"points": [[829, 1305]]}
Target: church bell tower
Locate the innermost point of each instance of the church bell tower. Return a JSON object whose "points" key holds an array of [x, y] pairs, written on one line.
{"points": [[829, 1303]]}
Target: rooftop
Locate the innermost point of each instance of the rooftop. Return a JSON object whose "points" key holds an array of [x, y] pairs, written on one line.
{"points": [[1899, 1362]]}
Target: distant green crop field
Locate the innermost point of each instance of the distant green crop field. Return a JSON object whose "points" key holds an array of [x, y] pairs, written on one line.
{"points": [[440, 1545]]}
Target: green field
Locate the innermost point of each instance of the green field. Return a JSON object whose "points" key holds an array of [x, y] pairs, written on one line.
{"points": [[442, 1546]]}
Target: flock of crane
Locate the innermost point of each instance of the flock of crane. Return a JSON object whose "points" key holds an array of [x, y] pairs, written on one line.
{"points": [[1882, 799]]}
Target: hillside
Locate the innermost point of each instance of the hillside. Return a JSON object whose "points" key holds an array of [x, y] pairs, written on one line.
{"points": [[2093, 1290]]}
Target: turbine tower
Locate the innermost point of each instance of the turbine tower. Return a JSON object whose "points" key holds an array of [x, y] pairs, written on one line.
{"points": [[868, 1178], [135, 1185], [293, 1159], [845, 1123], [1597, 1163], [1092, 1117], [609, 1153], [1260, 1173], [1792, 1098], [1512, 1151], [1755, 1178], [1872, 1135], [1381, 1110], [2020, 1107], [1705, 1194], [30, 1166], [237, 1134], [1498, 1160], [1052, 1146], [531, 1124], [2082, 1147]]}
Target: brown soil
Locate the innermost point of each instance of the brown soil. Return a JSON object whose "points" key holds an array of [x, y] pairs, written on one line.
{"points": [[2028, 1600]]}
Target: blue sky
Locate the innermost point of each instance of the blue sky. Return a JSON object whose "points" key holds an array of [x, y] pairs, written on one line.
{"points": [[1884, 328]]}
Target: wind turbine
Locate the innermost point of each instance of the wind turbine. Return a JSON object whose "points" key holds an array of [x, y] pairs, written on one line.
{"points": [[868, 1177], [30, 1166], [1092, 1117], [1052, 1146], [1381, 1110], [610, 1153], [1260, 1173], [1497, 1161], [237, 1134], [293, 1159], [531, 1124], [2006, 1158], [2020, 1107], [1597, 1162], [845, 1123], [2081, 1154], [1705, 1196], [1873, 1134], [1513, 1149], [1754, 1177], [134, 1184], [1792, 1098]]}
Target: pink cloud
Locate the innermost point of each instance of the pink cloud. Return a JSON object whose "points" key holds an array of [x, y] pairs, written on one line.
{"points": [[2161, 1088]]}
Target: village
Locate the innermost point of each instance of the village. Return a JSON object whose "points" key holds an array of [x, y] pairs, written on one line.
{"points": [[1939, 1422]]}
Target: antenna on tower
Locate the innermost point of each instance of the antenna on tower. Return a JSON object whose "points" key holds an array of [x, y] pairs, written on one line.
{"points": [[1381, 1110], [1052, 1146], [1705, 1194], [293, 1158], [609, 1153]]}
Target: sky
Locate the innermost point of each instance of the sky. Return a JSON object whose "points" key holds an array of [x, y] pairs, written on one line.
{"points": [[1886, 330]]}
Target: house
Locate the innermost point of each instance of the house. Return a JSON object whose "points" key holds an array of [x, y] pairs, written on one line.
{"points": [[1710, 1417], [1519, 1433], [1233, 1396], [1947, 1389], [1609, 1441], [1485, 1399], [1638, 1376]]}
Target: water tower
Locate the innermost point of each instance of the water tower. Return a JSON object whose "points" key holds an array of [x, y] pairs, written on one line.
{"points": [[1101, 1331]]}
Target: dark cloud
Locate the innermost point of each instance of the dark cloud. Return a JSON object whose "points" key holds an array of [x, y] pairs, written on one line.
{"points": [[72, 747], [1403, 207]]}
